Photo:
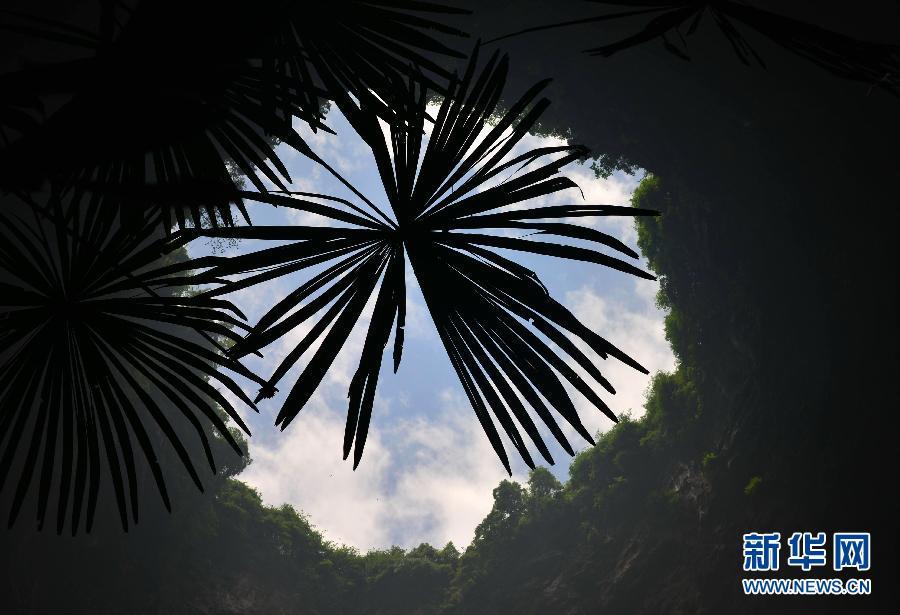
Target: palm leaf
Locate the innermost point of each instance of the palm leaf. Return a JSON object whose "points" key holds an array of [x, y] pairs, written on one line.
{"points": [[102, 358], [212, 99], [361, 46], [846, 57], [496, 319]]}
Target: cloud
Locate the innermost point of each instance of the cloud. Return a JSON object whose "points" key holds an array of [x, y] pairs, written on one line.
{"points": [[424, 479], [616, 190], [444, 489], [636, 330], [304, 468]]}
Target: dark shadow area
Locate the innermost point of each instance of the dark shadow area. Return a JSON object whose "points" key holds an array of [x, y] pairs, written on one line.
{"points": [[775, 181]]}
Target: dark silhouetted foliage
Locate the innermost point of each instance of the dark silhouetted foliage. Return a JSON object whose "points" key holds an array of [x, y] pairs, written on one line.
{"points": [[673, 22], [447, 211]]}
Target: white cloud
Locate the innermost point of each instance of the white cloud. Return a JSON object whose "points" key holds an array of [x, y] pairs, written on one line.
{"points": [[616, 190], [304, 468], [638, 332], [445, 487], [427, 479]]}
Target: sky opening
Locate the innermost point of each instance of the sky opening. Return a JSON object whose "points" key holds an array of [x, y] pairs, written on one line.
{"points": [[428, 468]]}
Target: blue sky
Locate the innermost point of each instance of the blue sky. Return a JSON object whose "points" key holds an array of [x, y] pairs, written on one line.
{"points": [[428, 469]]}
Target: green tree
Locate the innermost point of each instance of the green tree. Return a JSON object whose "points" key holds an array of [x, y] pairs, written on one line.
{"points": [[509, 504], [542, 484], [449, 554]]}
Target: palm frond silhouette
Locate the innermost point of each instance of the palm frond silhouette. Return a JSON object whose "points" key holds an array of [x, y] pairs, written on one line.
{"points": [[139, 134], [449, 211], [671, 22], [224, 84], [98, 347]]}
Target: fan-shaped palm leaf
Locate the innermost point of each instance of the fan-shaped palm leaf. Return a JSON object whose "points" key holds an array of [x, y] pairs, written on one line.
{"points": [[449, 209], [874, 63], [362, 46], [98, 351], [226, 79]]}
